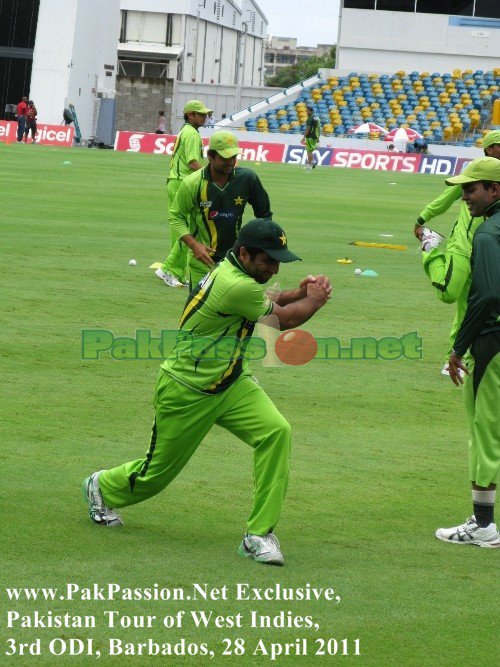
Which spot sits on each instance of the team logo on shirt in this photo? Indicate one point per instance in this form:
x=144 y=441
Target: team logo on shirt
x=221 y=214
x=239 y=201
x=205 y=204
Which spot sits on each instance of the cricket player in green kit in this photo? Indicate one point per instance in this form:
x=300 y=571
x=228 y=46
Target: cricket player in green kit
x=208 y=210
x=480 y=333
x=449 y=269
x=311 y=138
x=206 y=381
x=187 y=157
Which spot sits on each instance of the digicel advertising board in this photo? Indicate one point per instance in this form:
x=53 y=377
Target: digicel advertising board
x=144 y=142
x=49 y=135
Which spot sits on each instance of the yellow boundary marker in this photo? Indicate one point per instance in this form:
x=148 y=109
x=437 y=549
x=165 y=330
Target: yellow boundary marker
x=389 y=246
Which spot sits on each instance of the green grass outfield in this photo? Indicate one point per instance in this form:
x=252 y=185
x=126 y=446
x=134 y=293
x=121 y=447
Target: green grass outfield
x=380 y=447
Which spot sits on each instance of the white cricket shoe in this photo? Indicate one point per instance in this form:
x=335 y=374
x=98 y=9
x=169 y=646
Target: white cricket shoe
x=168 y=278
x=430 y=239
x=308 y=167
x=262 y=548
x=471 y=532
x=98 y=512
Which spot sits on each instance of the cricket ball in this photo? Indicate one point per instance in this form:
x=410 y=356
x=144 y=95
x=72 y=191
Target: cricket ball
x=296 y=348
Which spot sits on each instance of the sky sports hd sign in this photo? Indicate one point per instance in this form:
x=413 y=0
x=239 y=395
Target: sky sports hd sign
x=351 y=158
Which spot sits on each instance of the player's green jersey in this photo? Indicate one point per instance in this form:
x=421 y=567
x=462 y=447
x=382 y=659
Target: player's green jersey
x=483 y=307
x=213 y=215
x=188 y=147
x=215 y=329
x=462 y=233
x=312 y=127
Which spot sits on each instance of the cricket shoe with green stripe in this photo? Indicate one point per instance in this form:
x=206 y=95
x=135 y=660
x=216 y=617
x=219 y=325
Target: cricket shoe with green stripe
x=262 y=548
x=471 y=532
x=98 y=511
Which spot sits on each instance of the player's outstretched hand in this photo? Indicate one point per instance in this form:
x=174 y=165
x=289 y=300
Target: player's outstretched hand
x=313 y=279
x=325 y=281
x=203 y=253
x=418 y=231
x=305 y=282
x=320 y=290
x=455 y=364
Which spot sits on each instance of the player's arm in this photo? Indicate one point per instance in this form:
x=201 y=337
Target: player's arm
x=307 y=132
x=484 y=298
x=437 y=207
x=192 y=152
x=259 y=199
x=300 y=305
x=183 y=205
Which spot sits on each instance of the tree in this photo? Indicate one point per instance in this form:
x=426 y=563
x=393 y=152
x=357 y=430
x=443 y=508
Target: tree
x=302 y=70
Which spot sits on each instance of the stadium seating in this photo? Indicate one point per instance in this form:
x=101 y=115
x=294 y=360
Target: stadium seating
x=451 y=107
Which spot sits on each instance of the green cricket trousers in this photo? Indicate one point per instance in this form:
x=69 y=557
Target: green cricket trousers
x=182 y=419
x=482 y=405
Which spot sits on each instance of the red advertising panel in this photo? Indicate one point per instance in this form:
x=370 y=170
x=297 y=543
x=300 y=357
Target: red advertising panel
x=55 y=135
x=52 y=135
x=381 y=161
x=143 y=142
x=8 y=130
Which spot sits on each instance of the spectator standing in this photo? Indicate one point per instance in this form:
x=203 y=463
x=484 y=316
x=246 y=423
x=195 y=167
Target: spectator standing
x=161 y=126
x=22 y=107
x=31 y=114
